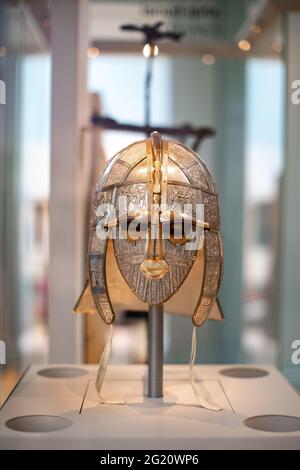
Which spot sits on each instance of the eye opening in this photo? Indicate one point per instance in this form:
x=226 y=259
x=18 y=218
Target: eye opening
x=180 y=228
x=177 y=227
x=179 y=234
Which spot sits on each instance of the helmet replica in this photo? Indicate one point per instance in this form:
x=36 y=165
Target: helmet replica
x=155 y=234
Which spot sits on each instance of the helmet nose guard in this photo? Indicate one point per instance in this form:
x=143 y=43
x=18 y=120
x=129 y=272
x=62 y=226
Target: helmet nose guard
x=155 y=265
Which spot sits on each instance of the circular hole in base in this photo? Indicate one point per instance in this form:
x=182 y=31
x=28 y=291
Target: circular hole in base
x=273 y=423
x=38 y=423
x=61 y=372
x=244 y=372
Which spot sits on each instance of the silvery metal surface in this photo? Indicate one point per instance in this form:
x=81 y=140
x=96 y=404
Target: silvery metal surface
x=188 y=181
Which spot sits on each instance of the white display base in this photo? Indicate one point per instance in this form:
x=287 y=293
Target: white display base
x=174 y=422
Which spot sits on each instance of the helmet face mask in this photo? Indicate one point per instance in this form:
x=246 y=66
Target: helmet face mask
x=155 y=212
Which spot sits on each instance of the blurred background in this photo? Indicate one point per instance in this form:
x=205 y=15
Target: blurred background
x=67 y=70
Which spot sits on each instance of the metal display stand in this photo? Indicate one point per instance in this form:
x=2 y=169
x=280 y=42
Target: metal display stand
x=155 y=350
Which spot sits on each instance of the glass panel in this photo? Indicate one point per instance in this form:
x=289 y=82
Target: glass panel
x=24 y=187
x=264 y=164
x=241 y=97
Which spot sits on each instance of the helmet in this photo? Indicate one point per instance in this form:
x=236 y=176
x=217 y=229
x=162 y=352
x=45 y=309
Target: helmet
x=155 y=234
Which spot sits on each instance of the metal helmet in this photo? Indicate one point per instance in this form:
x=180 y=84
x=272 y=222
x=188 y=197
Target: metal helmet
x=141 y=198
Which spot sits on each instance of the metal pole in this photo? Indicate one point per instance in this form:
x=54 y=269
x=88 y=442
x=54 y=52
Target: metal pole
x=148 y=82
x=155 y=350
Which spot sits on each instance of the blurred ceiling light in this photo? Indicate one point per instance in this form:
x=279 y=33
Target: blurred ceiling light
x=2 y=51
x=150 y=50
x=255 y=29
x=208 y=59
x=244 y=45
x=276 y=46
x=93 y=52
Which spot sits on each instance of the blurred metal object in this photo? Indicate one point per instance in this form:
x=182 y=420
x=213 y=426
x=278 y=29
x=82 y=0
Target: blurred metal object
x=153 y=33
x=199 y=133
